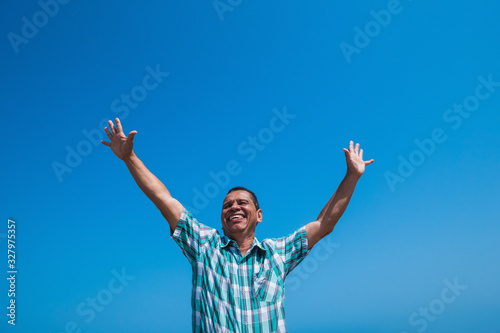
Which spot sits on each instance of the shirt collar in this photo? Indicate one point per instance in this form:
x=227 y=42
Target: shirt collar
x=226 y=241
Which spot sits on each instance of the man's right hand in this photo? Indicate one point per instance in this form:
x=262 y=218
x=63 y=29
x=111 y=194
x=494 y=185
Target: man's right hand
x=120 y=144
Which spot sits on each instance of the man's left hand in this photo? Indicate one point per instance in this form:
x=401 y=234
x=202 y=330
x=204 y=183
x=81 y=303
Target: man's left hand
x=354 y=160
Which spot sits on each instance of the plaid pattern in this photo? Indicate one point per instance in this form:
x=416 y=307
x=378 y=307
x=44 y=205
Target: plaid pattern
x=232 y=293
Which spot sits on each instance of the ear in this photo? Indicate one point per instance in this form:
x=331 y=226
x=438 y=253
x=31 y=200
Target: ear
x=259 y=215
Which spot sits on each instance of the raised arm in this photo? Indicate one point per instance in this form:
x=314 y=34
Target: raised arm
x=336 y=206
x=154 y=189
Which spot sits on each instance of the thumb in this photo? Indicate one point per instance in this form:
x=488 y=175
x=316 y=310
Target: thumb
x=346 y=152
x=131 y=135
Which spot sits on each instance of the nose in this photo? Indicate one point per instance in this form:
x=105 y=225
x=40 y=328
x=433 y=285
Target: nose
x=234 y=206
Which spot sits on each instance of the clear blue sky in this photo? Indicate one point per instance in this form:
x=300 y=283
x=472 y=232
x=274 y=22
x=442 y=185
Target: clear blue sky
x=417 y=83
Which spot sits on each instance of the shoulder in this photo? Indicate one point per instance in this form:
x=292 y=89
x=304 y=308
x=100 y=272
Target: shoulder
x=188 y=221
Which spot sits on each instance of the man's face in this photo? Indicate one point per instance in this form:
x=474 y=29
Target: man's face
x=239 y=214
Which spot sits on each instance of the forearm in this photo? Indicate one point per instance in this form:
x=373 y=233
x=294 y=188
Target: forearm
x=147 y=182
x=336 y=206
x=154 y=189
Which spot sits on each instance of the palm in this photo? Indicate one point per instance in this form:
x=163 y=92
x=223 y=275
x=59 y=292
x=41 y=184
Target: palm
x=354 y=159
x=120 y=144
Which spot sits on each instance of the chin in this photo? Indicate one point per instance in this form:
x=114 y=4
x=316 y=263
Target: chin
x=236 y=228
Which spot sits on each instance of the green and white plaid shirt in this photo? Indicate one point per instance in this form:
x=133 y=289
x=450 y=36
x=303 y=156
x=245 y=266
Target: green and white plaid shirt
x=232 y=293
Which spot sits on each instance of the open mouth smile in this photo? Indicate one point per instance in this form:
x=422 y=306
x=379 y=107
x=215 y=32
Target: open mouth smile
x=236 y=217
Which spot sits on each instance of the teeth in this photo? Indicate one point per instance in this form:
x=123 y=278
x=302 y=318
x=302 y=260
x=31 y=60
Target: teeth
x=234 y=217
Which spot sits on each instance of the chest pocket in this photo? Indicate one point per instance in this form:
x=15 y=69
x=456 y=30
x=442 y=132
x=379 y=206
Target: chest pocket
x=268 y=284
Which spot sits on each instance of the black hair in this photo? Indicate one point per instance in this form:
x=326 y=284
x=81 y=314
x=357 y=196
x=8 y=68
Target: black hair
x=241 y=188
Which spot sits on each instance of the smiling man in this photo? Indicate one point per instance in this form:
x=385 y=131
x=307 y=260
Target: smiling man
x=238 y=282
x=239 y=217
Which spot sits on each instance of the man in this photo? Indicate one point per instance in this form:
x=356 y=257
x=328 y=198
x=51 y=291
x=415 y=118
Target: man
x=238 y=282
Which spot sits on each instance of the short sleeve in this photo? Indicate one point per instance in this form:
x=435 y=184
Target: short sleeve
x=190 y=235
x=293 y=249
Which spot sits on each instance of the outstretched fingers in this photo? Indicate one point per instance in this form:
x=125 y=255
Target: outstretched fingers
x=112 y=127
x=120 y=144
x=118 y=125
x=351 y=146
x=354 y=149
x=108 y=133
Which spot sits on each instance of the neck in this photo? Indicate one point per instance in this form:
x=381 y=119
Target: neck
x=244 y=242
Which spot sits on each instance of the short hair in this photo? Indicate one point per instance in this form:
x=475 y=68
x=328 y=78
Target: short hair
x=254 y=197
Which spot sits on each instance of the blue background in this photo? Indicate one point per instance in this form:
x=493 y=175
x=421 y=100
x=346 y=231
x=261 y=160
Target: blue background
x=398 y=241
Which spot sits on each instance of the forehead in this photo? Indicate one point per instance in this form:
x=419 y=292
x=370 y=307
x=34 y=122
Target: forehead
x=238 y=195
